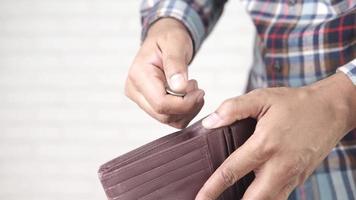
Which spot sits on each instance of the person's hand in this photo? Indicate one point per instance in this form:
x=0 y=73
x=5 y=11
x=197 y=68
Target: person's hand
x=161 y=60
x=296 y=130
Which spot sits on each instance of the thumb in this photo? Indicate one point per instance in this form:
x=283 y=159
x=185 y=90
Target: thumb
x=234 y=109
x=176 y=54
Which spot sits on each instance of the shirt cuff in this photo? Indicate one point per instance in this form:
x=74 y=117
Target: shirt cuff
x=180 y=10
x=350 y=70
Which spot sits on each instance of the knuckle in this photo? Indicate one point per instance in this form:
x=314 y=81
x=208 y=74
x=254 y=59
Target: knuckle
x=295 y=167
x=227 y=176
x=126 y=91
x=265 y=148
x=263 y=152
x=279 y=90
x=130 y=75
x=287 y=190
x=258 y=92
x=179 y=125
x=127 y=88
x=160 y=108
x=165 y=119
x=228 y=109
x=229 y=105
x=303 y=176
x=291 y=169
x=227 y=102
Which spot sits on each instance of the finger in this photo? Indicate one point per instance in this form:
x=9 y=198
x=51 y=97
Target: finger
x=237 y=165
x=271 y=179
x=235 y=109
x=192 y=85
x=153 y=89
x=181 y=105
x=263 y=187
x=177 y=121
x=176 y=53
x=185 y=119
x=286 y=191
x=140 y=100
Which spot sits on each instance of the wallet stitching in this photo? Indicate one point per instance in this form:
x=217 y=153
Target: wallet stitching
x=228 y=141
x=229 y=149
x=211 y=167
x=153 y=147
x=231 y=132
x=164 y=164
x=142 y=198
x=120 y=194
x=135 y=155
x=142 y=151
x=165 y=174
x=110 y=174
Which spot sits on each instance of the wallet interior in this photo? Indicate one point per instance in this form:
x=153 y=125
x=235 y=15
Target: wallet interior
x=175 y=166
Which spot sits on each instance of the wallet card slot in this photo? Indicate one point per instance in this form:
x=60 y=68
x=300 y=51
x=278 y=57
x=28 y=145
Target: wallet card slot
x=150 y=148
x=230 y=147
x=172 y=165
x=152 y=161
x=140 y=152
x=162 y=181
x=193 y=182
x=155 y=180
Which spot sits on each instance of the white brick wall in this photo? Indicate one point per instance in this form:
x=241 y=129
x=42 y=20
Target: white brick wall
x=62 y=110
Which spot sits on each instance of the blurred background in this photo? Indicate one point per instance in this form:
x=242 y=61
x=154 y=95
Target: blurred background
x=63 y=112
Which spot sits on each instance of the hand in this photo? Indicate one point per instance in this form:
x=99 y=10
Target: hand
x=296 y=130
x=163 y=57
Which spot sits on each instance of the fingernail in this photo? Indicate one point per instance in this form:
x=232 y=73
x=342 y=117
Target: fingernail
x=176 y=82
x=211 y=121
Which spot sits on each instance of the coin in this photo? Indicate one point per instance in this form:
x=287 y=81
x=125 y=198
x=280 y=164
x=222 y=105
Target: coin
x=171 y=92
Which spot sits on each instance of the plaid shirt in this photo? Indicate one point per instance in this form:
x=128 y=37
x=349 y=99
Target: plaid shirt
x=297 y=43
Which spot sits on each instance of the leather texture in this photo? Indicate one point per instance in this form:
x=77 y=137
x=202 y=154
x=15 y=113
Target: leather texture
x=176 y=166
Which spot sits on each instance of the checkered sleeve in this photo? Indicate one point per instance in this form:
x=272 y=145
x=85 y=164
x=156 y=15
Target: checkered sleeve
x=199 y=16
x=350 y=70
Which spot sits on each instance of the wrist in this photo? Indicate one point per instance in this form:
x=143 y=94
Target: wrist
x=339 y=94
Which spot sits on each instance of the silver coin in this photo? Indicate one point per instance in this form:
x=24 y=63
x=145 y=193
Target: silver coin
x=171 y=92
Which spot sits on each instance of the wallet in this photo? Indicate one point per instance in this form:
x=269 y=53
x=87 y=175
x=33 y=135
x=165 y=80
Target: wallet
x=176 y=166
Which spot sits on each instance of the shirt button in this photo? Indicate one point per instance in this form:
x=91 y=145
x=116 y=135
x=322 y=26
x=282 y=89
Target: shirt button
x=277 y=65
x=292 y=2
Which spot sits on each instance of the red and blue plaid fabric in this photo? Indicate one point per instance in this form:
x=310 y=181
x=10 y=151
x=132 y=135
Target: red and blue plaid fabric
x=298 y=42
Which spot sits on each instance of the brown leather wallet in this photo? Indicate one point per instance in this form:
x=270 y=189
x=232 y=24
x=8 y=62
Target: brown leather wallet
x=177 y=165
